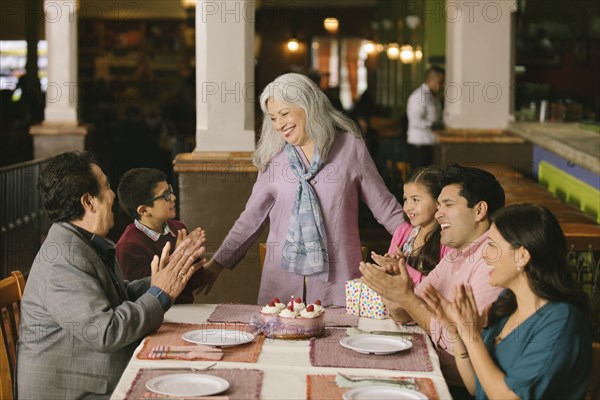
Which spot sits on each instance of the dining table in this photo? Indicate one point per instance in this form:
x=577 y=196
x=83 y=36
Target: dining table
x=288 y=369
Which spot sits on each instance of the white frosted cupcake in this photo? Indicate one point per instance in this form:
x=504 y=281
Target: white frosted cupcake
x=270 y=308
x=311 y=312
x=297 y=304
x=288 y=313
x=280 y=306
x=318 y=307
x=274 y=307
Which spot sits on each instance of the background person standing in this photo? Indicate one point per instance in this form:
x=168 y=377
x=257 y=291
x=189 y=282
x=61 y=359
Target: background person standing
x=424 y=110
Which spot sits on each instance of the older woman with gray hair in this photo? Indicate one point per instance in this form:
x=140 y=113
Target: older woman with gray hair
x=313 y=168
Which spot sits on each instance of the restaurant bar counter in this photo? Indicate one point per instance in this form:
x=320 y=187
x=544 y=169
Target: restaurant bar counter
x=285 y=364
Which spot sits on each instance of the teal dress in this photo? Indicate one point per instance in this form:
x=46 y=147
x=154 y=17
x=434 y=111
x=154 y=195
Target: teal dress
x=547 y=356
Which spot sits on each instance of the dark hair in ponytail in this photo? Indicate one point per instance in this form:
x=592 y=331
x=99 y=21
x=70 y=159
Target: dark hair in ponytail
x=429 y=255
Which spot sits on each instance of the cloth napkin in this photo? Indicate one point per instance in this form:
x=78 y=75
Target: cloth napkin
x=407 y=383
x=152 y=395
x=193 y=352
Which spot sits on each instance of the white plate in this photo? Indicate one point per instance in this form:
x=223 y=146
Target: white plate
x=187 y=385
x=218 y=337
x=382 y=393
x=375 y=344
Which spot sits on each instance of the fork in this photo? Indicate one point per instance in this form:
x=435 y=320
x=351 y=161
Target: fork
x=209 y=366
x=380 y=379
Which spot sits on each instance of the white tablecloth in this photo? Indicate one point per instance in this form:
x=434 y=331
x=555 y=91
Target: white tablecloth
x=285 y=364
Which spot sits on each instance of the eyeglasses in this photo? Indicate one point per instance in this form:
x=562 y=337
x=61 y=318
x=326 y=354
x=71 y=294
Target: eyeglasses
x=165 y=195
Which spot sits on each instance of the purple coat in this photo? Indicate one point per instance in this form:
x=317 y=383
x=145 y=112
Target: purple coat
x=348 y=175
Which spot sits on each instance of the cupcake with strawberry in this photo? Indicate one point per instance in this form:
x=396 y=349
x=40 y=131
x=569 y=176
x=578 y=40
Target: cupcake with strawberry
x=312 y=311
x=297 y=304
x=274 y=307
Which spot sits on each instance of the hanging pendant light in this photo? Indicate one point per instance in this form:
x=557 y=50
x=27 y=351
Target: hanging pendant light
x=407 y=54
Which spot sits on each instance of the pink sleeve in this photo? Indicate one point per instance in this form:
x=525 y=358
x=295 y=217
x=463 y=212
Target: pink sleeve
x=415 y=275
x=400 y=235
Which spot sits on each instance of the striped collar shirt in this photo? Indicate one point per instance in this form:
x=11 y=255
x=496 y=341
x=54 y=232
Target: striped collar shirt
x=152 y=234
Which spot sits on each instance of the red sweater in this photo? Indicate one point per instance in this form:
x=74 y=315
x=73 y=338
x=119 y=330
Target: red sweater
x=135 y=251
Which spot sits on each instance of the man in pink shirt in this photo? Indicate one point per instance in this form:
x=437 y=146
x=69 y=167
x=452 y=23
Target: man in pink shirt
x=469 y=197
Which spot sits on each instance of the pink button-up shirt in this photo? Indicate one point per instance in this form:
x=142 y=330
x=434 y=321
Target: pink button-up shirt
x=459 y=266
x=348 y=175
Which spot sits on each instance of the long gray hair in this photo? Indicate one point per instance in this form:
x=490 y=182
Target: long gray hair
x=322 y=119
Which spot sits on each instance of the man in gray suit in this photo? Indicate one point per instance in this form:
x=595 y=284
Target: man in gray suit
x=80 y=320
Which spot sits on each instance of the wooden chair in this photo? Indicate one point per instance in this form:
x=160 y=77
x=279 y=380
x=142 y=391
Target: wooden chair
x=11 y=292
x=593 y=388
x=364 y=250
x=262 y=253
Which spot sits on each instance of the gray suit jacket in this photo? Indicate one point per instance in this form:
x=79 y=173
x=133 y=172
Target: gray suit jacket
x=78 y=330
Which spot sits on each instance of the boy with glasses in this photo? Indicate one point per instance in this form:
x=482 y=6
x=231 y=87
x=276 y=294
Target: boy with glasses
x=146 y=197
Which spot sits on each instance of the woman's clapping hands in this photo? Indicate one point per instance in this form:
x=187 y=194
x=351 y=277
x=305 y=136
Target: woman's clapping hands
x=459 y=315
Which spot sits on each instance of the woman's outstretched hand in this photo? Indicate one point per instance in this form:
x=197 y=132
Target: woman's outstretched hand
x=212 y=270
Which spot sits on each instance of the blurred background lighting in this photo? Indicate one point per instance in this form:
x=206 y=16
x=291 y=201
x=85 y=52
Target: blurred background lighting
x=369 y=47
x=188 y=3
x=407 y=54
x=393 y=51
x=331 y=24
x=418 y=53
x=293 y=45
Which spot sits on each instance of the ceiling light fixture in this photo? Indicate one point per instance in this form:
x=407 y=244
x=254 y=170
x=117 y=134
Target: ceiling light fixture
x=393 y=51
x=368 y=46
x=331 y=24
x=293 y=45
x=418 y=54
x=407 y=54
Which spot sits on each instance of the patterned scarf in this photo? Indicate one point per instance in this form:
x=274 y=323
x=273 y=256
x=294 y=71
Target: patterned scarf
x=305 y=249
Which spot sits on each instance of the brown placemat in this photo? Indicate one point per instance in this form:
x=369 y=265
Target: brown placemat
x=243 y=383
x=328 y=352
x=323 y=387
x=243 y=313
x=338 y=317
x=169 y=334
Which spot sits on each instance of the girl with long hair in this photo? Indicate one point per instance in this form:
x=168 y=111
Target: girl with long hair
x=418 y=239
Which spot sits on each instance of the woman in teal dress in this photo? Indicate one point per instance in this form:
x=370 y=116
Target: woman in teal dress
x=537 y=343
